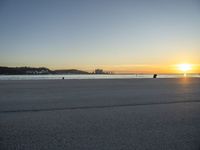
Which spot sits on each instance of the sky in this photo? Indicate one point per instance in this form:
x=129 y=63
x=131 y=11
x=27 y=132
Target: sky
x=140 y=36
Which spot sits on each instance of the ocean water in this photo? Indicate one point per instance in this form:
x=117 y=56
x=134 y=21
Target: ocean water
x=55 y=77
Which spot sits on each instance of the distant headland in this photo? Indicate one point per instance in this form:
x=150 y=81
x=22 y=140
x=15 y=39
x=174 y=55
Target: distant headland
x=44 y=70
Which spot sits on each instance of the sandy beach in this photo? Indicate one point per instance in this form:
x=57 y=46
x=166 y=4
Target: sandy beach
x=101 y=114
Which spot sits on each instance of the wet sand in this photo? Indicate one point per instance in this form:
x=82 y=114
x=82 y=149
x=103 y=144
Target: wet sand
x=100 y=114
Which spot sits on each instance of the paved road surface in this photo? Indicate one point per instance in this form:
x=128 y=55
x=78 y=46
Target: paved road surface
x=140 y=114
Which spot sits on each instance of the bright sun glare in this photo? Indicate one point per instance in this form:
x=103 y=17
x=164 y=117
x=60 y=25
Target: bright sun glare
x=185 y=67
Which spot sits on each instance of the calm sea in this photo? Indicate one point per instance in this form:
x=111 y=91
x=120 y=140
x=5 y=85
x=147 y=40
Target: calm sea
x=53 y=77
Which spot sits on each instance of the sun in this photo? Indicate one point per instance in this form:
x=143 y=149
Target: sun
x=185 y=67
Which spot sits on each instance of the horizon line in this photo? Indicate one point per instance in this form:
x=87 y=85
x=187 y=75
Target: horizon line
x=125 y=72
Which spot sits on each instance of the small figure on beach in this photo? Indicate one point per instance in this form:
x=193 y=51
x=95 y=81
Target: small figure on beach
x=63 y=78
x=155 y=76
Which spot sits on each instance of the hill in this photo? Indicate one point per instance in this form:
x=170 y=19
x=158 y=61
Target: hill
x=36 y=71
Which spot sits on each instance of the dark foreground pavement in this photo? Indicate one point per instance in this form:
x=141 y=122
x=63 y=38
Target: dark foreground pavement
x=137 y=114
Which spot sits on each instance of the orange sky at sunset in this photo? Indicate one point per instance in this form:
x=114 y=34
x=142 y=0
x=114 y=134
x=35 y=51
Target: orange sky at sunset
x=120 y=36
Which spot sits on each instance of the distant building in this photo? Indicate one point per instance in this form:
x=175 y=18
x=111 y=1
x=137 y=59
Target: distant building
x=99 y=71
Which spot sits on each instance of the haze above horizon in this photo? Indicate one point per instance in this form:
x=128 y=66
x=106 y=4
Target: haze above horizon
x=115 y=35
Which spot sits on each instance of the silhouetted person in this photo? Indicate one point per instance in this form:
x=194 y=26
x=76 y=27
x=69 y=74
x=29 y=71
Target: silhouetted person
x=155 y=76
x=63 y=78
